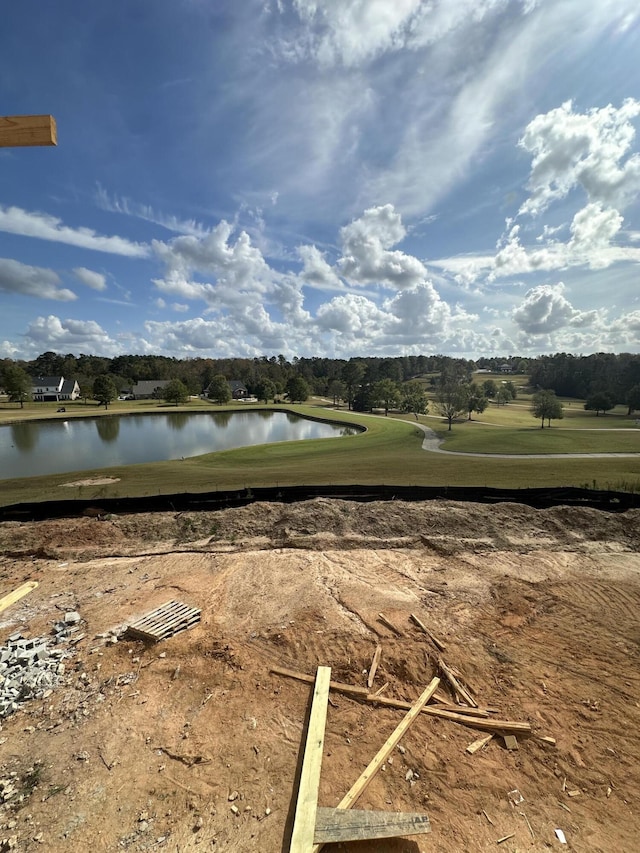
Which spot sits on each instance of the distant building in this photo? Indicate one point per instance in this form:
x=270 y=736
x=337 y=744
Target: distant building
x=505 y=368
x=148 y=388
x=53 y=389
x=238 y=389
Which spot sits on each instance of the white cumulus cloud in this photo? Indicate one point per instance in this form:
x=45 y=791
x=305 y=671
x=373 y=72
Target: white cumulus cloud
x=70 y=336
x=367 y=257
x=545 y=309
x=589 y=150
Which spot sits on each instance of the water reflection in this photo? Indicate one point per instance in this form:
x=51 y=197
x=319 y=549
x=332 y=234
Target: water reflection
x=222 y=419
x=177 y=420
x=49 y=447
x=24 y=436
x=108 y=428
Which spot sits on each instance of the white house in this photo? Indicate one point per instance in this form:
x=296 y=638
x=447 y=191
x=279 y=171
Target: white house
x=53 y=389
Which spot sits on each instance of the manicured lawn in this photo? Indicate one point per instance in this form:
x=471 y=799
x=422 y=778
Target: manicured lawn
x=389 y=452
x=477 y=438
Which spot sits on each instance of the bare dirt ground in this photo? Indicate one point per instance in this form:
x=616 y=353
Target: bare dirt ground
x=142 y=746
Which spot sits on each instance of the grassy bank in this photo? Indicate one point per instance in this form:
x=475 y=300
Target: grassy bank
x=388 y=452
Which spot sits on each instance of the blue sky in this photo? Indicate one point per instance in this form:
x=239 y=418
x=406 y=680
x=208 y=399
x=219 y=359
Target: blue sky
x=322 y=177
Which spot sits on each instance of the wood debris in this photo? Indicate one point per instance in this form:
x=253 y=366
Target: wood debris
x=374 y=666
x=478 y=744
x=460 y=691
x=164 y=622
x=390 y=625
x=435 y=640
x=496 y=726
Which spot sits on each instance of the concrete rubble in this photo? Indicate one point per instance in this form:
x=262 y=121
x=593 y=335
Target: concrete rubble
x=31 y=667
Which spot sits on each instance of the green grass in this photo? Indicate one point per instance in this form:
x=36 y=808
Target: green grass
x=389 y=452
x=477 y=438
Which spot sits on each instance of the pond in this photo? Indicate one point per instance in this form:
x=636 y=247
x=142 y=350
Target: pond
x=34 y=448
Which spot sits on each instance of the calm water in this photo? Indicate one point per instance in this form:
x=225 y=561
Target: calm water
x=54 y=447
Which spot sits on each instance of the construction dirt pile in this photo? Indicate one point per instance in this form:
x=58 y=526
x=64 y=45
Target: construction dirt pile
x=194 y=743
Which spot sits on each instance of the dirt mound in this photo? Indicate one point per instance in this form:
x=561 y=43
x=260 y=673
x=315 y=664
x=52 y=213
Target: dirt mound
x=148 y=747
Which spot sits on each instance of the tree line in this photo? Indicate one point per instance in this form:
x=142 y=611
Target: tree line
x=604 y=379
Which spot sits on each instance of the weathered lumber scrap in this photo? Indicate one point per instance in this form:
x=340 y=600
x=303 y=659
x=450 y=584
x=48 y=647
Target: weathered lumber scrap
x=484 y=724
x=478 y=744
x=339 y=825
x=435 y=640
x=460 y=691
x=374 y=666
x=390 y=625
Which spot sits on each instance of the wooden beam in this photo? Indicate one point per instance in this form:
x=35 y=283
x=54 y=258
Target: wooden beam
x=374 y=666
x=462 y=709
x=436 y=642
x=484 y=724
x=305 y=818
x=362 y=782
x=24 y=131
x=17 y=594
x=338 y=686
x=333 y=825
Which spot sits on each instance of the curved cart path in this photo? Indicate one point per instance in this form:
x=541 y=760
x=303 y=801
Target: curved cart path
x=432 y=442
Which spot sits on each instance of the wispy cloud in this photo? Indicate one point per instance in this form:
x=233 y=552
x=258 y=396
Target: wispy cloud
x=42 y=226
x=127 y=207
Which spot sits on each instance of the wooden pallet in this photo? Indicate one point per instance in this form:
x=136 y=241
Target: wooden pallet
x=164 y=622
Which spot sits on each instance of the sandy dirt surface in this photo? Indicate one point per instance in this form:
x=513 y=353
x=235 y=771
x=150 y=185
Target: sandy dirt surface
x=93 y=481
x=148 y=747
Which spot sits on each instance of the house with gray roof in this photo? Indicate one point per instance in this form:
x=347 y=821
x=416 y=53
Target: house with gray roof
x=53 y=389
x=149 y=388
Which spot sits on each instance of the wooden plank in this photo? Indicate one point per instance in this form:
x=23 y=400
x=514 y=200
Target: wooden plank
x=497 y=726
x=436 y=642
x=374 y=666
x=338 y=686
x=333 y=825
x=18 y=593
x=24 y=131
x=305 y=818
x=381 y=690
x=478 y=744
x=390 y=625
x=385 y=750
x=462 y=709
x=458 y=688
x=362 y=782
